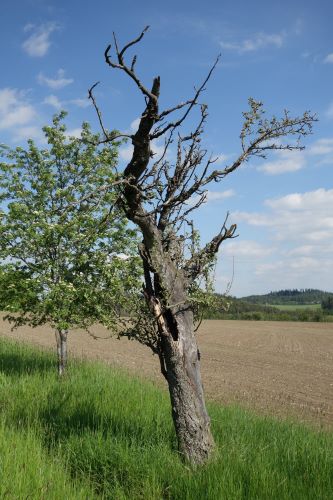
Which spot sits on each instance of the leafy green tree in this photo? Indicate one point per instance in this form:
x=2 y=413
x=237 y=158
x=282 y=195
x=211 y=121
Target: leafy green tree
x=327 y=304
x=68 y=258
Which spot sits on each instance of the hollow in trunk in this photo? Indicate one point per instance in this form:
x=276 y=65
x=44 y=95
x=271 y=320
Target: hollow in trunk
x=180 y=364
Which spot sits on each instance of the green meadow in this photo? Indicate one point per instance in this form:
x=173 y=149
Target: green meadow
x=296 y=307
x=102 y=434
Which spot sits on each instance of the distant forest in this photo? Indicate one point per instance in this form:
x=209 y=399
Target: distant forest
x=263 y=307
x=289 y=297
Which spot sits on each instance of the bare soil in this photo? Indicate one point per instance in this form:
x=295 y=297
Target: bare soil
x=275 y=368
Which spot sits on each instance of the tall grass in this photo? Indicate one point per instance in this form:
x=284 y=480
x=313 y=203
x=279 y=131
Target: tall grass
x=103 y=434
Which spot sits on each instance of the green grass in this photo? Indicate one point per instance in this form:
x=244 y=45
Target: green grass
x=103 y=434
x=296 y=307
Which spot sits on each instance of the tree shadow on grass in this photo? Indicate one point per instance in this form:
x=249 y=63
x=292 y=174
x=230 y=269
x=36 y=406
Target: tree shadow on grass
x=60 y=425
x=105 y=448
x=73 y=419
x=66 y=413
x=24 y=363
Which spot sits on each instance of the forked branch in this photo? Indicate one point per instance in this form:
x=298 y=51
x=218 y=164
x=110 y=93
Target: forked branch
x=196 y=264
x=129 y=70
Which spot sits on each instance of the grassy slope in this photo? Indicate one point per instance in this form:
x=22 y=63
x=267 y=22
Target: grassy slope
x=102 y=434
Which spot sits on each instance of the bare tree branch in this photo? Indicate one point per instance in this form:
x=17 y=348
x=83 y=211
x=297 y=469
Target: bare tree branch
x=129 y=70
x=196 y=263
x=107 y=137
x=133 y=42
x=190 y=103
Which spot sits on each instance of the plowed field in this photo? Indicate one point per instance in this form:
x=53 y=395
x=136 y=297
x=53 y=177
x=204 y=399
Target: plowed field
x=276 y=368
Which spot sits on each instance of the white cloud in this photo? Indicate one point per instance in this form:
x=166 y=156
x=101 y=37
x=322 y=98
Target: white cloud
x=18 y=117
x=15 y=110
x=28 y=132
x=74 y=132
x=329 y=58
x=55 y=83
x=269 y=267
x=157 y=148
x=251 y=218
x=81 y=103
x=311 y=250
x=246 y=248
x=320 y=199
x=288 y=161
x=38 y=43
x=298 y=229
x=8 y=98
x=126 y=152
x=301 y=250
x=53 y=101
x=321 y=147
x=135 y=124
x=221 y=158
x=305 y=218
x=258 y=41
x=304 y=263
x=219 y=195
x=212 y=196
x=301 y=272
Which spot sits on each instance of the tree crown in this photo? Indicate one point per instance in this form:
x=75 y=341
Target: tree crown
x=68 y=254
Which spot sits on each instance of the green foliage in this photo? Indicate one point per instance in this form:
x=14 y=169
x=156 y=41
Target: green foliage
x=61 y=239
x=103 y=434
x=327 y=304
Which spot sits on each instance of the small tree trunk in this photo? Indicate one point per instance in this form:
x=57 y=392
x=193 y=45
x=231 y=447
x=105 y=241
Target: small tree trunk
x=61 y=338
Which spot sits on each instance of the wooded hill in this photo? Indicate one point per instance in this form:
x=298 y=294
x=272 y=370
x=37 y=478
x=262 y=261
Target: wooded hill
x=290 y=297
x=223 y=307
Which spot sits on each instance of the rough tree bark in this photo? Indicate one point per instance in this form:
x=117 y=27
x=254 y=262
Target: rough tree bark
x=166 y=296
x=180 y=364
x=61 y=338
x=155 y=198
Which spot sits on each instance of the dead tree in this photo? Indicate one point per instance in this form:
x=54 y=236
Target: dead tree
x=158 y=195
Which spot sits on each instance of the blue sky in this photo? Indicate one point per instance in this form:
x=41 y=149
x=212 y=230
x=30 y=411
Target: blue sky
x=278 y=52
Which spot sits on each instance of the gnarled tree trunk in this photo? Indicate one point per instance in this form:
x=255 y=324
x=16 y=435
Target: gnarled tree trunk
x=179 y=357
x=61 y=338
x=182 y=368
